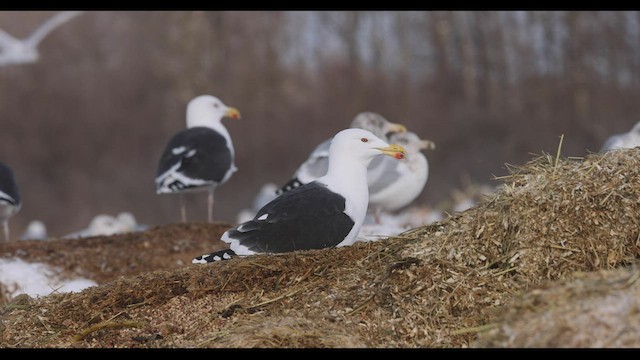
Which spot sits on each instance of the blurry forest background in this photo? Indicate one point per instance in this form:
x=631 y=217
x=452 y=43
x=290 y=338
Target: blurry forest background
x=84 y=126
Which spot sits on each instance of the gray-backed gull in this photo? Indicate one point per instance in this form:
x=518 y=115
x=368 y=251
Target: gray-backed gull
x=317 y=163
x=627 y=140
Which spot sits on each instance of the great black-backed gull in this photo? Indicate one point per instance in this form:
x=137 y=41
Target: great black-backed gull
x=324 y=213
x=317 y=163
x=10 y=201
x=398 y=183
x=623 y=141
x=200 y=157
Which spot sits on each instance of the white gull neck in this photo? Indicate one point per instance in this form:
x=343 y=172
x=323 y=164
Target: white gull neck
x=203 y=114
x=348 y=176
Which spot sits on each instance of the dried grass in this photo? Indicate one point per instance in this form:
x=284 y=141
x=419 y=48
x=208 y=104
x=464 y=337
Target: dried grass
x=4 y=295
x=596 y=310
x=434 y=286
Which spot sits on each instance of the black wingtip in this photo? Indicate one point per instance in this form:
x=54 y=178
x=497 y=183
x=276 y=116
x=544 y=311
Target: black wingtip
x=214 y=256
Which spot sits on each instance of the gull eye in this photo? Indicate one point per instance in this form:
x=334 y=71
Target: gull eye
x=215 y=105
x=364 y=139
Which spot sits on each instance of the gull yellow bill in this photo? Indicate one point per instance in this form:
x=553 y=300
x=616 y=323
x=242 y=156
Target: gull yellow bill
x=427 y=145
x=232 y=113
x=394 y=150
x=394 y=127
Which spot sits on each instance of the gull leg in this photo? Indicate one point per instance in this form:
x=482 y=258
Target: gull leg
x=376 y=215
x=183 y=208
x=210 y=204
x=5 y=228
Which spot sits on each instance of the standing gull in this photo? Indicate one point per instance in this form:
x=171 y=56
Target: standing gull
x=10 y=201
x=318 y=162
x=200 y=157
x=324 y=213
x=401 y=182
x=623 y=141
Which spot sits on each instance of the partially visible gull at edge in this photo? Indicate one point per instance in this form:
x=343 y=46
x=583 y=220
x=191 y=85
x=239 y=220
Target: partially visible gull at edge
x=627 y=140
x=10 y=200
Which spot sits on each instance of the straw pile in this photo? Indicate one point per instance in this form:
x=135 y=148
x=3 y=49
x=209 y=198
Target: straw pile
x=595 y=310
x=434 y=286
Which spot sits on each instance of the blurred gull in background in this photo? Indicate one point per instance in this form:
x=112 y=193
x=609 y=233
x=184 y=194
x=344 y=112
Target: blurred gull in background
x=265 y=195
x=36 y=230
x=15 y=51
x=318 y=162
x=104 y=225
x=398 y=183
x=627 y=140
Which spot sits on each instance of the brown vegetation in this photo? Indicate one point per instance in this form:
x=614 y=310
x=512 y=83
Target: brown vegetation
x=596 y=310
x=435 y=286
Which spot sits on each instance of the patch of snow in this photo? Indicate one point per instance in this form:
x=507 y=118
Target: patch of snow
x=36 y=279
x=394 y=224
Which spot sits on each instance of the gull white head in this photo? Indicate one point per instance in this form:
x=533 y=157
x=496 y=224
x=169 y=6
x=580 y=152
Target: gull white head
x=411 y=142
x=360 y=146
x=207 y=110
x=377 y=124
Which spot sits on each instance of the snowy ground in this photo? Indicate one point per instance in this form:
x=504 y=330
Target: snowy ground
x=39 y=279
x=36 y=279
x=395 y=224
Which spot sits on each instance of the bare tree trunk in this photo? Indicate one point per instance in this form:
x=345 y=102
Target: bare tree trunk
x=355 y=71
x=440 y=27
x=403 y=87
x=574 y=66
x=469 y=70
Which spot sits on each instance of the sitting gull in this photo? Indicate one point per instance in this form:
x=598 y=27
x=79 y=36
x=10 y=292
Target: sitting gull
x=400 y=182
x=324 y=213
x=36 y=230
x=623 y=141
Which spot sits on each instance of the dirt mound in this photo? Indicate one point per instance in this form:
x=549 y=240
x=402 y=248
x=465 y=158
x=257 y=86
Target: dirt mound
x=4 y=295
x=596 y=310
x=105 y=258
x=435 y=286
